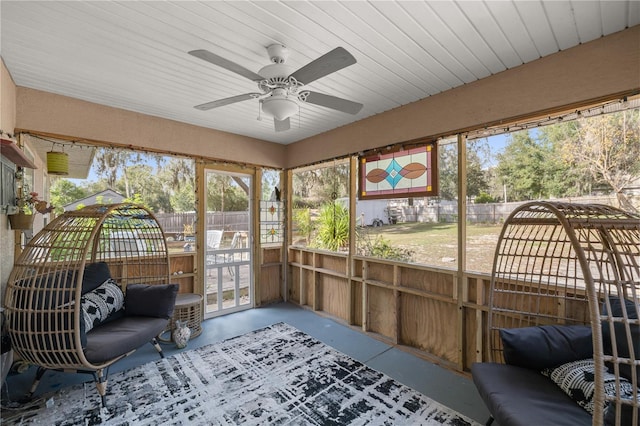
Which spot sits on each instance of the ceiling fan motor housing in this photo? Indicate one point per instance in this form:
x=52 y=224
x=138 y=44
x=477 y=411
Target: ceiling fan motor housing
x=278 y=53
x=275 y=71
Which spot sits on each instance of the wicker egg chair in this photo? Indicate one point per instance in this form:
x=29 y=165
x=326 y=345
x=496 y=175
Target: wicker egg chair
x=567 y=264
x=67 y=260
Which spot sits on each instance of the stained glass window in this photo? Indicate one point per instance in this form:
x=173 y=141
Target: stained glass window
x=271 y=222
x=406 y=173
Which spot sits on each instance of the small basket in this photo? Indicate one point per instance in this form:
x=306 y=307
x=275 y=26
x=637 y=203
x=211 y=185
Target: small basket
x=21 y=220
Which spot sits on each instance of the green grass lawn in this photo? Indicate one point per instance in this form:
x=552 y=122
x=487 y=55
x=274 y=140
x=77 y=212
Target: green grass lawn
x=436 y=243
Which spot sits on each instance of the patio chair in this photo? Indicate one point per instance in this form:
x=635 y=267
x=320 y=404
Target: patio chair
x=562 y=328
x=214 y=238
x=235 y=243
x=88 y=290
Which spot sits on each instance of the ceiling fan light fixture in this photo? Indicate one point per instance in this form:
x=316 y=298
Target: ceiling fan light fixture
x=279 y=107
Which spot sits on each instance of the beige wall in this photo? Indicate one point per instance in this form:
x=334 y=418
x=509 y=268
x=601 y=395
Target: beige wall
x=53 y=114
x=592 y=71
x=7 y=124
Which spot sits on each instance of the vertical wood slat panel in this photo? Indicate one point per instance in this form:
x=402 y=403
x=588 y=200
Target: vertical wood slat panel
x=365 y=296
x=396 y=304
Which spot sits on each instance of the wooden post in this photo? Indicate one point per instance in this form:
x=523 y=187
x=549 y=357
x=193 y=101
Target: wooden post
x=480 y=301
x=254 y=225
x=353 y=170
x=201 y=246
x=462 y=245
x=365 y=296
x=314 y=282
x=286 y=195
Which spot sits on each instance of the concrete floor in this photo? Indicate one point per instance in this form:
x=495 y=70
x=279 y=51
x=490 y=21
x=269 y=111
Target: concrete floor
x=442 y=385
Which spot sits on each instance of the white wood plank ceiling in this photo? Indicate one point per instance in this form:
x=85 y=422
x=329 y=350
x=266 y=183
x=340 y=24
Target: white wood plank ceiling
x=133 y=54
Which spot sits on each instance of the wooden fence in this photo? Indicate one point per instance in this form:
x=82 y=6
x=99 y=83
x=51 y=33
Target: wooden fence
x=174 y=223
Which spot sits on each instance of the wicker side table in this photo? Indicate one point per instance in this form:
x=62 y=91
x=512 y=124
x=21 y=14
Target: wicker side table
x=188 y=308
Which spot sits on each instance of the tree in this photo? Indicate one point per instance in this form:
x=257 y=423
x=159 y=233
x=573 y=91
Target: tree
x=183 y=199
x=522 y=167
x=313 y=187
x=303 y=183
x=270 y=181
x=178 y=179
x=109 y=161
x=64 y=192
x=144 y=186
x=477 y=175
x=608 y=146
x=566 y=179
x=448 y=171
x=177 y=172
x=334 y=182
x=225 y=195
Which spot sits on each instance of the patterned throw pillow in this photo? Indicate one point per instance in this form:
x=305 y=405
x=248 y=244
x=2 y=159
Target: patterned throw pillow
x=98 y=304
x=576 y=379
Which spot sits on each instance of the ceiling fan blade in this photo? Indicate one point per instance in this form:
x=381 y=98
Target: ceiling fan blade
x=282 y=125
x=332 y=102
x=226 y=101
x=226 y=64
x=330 y=62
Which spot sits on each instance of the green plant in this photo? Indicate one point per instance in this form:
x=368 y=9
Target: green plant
x=29 y=203
x=382 y=248
x=484 y=198
x=302 y=222
x=333 y=227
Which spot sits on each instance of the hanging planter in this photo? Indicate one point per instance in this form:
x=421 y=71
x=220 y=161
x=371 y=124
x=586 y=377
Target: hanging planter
x=21 y=221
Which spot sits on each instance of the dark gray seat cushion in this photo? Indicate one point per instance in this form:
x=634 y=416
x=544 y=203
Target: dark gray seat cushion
x=117 y=337
x=521 y=396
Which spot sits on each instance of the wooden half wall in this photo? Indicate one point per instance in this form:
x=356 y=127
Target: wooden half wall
x=418 y=308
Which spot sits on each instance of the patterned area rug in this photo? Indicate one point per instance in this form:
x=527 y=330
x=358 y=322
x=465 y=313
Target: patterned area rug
x=277 y=375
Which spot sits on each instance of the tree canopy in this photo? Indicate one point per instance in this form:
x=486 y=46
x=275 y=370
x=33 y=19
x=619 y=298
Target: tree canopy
x=162 y=183
x=588 y=156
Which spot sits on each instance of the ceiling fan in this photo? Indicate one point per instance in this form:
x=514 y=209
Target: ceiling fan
x=281 y=89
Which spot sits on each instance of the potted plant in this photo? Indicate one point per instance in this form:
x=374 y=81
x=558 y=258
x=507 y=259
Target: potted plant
x=28 y=204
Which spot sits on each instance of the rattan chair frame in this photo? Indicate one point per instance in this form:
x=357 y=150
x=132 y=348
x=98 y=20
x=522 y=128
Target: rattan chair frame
x=558 y=263
x=46 y=281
